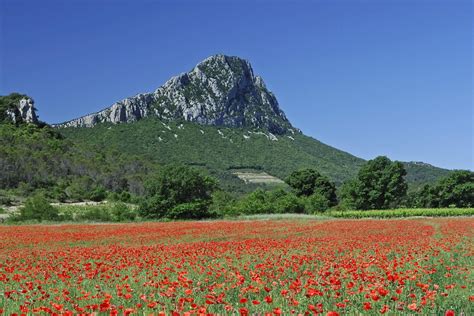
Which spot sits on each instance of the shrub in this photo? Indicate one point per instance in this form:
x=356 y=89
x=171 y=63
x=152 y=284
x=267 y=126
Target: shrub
x=222 y=204
x=191 y=210
x=257 y=202
x=317 y=203
x=98 y=194
x=289 y=203
x=121 y=212
x=123 y=196
x=100 y=214
x=5 y=200
x=38 y=208
x=79 y=188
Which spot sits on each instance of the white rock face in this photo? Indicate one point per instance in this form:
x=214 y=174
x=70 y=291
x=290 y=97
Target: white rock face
x=25 y=112
x=127 y=110
x=220 y=91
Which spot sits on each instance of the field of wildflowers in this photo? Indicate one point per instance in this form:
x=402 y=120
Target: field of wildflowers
x=288 y=266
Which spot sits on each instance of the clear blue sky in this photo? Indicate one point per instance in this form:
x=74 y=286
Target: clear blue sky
x=370 y=77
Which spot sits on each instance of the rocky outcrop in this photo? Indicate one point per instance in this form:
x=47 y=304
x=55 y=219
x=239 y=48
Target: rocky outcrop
x=220 y=91
x=19 y=108
x=128 y=110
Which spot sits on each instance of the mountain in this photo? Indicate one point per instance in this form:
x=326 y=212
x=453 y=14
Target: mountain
x=219 y=91
x=221 y=117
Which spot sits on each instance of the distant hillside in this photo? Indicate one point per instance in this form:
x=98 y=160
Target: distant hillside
x=222 y=151
x=420 y=173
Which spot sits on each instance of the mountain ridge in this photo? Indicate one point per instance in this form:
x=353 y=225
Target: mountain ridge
x=221 y=91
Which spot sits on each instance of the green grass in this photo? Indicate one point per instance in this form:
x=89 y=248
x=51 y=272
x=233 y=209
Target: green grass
x=438 y=212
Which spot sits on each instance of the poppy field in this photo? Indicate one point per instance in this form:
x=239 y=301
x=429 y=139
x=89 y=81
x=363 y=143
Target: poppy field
x=328 y=267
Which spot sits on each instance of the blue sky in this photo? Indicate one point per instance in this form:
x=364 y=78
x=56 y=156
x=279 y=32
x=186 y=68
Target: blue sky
x=369 y=77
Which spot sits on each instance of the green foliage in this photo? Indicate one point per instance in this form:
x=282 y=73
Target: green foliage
x=34 y=157
x=380 y=184
x=316 y=203
x=456 y=189
x=121 y=212
x=268 y=202
x=94 y=214
x=420 y=174
x=222 y=204
x=174 y=190
x=7 y=103
x=97 y=194
x=189 y=210
x=5 y=199
x=438 y=212
x=123 y=196
x=37 y=208
x=289 y=203
x=103 y=212
x=209 y=151
x=257 y=202
x=317 y=192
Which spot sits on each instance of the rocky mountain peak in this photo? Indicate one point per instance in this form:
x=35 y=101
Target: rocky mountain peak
x=221 y=90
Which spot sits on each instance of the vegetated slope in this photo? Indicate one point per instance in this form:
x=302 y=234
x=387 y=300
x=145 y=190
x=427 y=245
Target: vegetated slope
x=33 y=155
x=420 y=173
x=222 y=151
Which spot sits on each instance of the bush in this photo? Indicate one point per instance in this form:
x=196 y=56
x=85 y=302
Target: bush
x=123 y=196
x=98 y=194
x=289 y=203
x=37 y=208
x=269 y=202
x=257 y=202
x=317 y=203
x=191 y=210
x=121 y=212
x=100 y=214
x=222 y=204
x=5 y=200
x=79 y=188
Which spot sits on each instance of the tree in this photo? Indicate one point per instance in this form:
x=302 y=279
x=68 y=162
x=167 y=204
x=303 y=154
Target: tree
x=423 y=197
x=256 y=202
x=316 y=203
x=178 y=191
x=288 y=203
x=307 y=182
x=380 y=184
x=222 y=204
